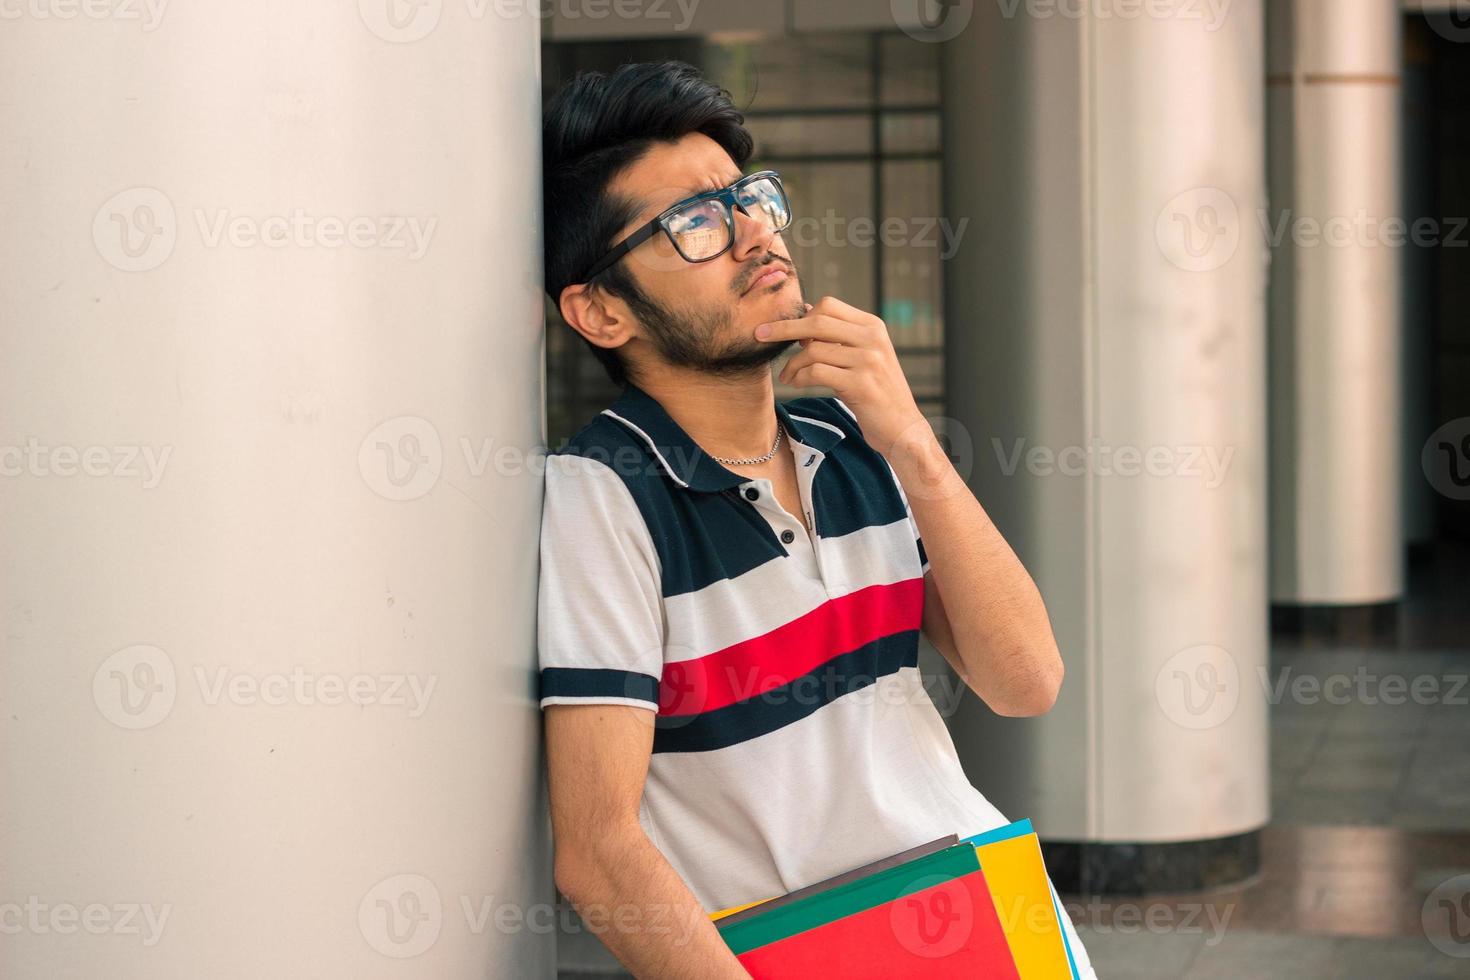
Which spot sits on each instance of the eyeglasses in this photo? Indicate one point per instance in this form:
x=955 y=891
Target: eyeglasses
x=703 y=227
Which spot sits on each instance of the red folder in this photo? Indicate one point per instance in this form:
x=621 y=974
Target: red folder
x=947 y=930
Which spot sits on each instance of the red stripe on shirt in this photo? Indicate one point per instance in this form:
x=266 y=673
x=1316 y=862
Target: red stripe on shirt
x=791 y=650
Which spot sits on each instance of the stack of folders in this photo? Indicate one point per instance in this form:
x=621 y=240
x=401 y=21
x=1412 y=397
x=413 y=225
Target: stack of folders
x=977 y=907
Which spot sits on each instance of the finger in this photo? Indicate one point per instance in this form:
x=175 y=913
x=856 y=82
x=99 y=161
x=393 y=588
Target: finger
x=834 y=307
x=823 y=352
x=826 y=375
x=815 y=326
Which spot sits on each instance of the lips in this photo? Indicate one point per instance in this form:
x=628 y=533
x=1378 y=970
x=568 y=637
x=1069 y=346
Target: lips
x=772 y=276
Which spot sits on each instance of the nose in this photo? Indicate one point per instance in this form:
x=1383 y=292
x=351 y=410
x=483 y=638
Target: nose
x=753 y=235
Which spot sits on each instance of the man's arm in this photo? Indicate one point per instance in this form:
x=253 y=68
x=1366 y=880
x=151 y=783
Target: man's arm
x=998 y=639
x=994 y=627
x=624 y=889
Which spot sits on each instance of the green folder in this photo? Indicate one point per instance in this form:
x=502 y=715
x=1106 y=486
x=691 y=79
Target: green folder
x=857 y=896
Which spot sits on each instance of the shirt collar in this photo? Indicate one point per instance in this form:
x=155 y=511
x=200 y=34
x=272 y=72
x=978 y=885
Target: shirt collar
x=682 y=459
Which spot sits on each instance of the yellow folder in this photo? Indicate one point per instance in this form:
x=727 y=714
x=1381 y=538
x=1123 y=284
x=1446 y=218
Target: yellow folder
x=1016 y=875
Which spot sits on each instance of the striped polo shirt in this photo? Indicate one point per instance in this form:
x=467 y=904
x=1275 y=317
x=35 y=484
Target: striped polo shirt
x=794 y=739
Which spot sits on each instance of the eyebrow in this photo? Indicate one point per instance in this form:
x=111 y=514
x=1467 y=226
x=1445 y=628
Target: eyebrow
x=646 y=206
x=707 y=187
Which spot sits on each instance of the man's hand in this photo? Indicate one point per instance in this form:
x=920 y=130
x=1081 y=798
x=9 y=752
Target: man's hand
x=850 y=352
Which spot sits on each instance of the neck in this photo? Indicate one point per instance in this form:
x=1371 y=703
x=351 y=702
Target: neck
x=730 y=417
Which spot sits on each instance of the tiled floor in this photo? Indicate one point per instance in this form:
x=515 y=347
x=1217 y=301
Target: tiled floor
x=1370 y=794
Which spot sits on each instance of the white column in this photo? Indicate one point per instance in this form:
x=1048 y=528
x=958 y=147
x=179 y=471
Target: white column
x=1105 y=351
x=269 y=271
x=1336 y=404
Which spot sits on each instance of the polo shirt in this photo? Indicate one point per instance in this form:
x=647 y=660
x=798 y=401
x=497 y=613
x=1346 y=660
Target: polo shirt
x=793 y=737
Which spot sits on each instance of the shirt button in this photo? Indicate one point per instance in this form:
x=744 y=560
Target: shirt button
x=788 y=536
x=751 y=493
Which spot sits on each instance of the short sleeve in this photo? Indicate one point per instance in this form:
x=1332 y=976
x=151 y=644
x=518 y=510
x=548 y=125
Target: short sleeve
x=908 y=511
x=599 y=623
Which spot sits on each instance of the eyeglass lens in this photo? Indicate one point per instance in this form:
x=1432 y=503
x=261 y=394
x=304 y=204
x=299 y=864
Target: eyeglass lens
x=702 y=229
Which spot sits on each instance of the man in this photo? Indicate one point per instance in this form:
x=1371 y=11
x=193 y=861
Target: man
x=732 y=588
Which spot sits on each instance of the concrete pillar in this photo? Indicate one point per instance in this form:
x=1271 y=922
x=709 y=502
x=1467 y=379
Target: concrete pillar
x=1418 y=290
x=1336 y=404
x=1105 y=352
x=270 y=287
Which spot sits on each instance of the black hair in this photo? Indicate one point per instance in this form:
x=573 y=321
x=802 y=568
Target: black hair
x=595 y=127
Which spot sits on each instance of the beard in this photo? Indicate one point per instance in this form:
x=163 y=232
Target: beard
x=699 y=338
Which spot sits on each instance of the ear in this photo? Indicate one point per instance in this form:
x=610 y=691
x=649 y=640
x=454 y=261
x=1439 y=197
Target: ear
x=603 y=319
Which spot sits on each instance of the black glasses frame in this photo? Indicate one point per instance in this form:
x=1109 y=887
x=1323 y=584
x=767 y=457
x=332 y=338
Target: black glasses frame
x=725 y=195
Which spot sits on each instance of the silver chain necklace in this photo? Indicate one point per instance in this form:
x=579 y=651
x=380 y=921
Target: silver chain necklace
x=755 y=459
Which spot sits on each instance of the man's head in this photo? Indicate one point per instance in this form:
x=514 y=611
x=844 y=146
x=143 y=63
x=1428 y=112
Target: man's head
x=619 y=150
